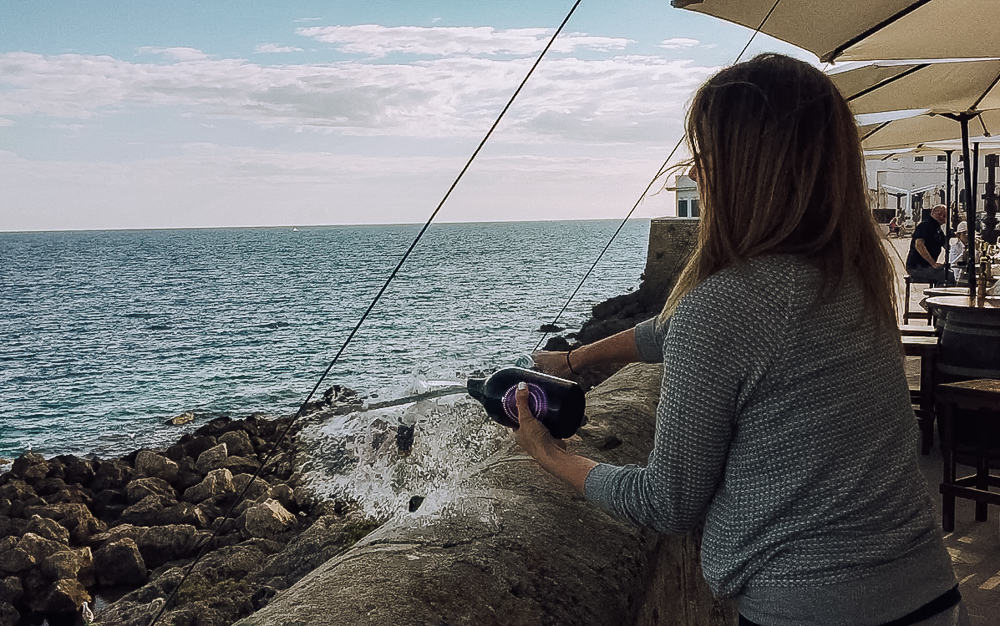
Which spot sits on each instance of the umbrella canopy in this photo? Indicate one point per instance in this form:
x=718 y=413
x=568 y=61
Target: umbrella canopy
x=945 y=87
x=847 y=30
x=920 y=129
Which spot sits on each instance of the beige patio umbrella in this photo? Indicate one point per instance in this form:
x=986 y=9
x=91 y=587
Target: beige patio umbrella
x=855 y=30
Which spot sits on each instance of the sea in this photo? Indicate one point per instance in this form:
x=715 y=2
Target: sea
x=104 y=335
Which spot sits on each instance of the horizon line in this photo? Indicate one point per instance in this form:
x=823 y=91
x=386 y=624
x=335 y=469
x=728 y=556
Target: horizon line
x=289 y=226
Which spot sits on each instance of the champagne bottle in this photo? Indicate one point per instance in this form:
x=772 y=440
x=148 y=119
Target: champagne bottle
x=557 y=403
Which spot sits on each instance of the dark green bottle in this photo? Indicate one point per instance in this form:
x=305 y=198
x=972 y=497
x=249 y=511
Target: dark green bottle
x=556 y=402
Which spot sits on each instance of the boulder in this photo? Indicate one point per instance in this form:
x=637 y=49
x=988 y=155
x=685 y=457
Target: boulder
x=211 y=459
x=157 y=544
x=259 y=487
x=30 y=467
x=283 y=494
x=15 y=561
x=39 y=547
x=146 y=512
x=217 y=482
x=8 y=614
x=241 y=464
x=184 y=418
x=119 y=563
x=70 y=494
x=198 y=444
x=183 y=513
x=50 y=529
x=63 y=596
x=68 y=564
x=49 y=485
x=140 y=488
x=11 y=589
x=111 y=474
x=237 y=443
x=266 y=519
x=76 y=470
x=149 y=463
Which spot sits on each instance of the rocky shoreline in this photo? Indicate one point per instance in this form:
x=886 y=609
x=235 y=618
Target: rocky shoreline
x=119 y=533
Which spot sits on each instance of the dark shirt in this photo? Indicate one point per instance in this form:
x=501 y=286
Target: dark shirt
x=930 y=231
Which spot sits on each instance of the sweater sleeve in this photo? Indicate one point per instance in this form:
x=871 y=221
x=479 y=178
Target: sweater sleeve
x=712 y=356
x=649 y=336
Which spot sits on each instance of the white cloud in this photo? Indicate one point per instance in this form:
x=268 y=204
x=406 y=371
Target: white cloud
x=677 y=43
x=273 y=48
x=623 y=98
x=374 y=40
x=175 y=54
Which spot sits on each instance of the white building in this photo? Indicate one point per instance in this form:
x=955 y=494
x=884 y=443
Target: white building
x=687 y=197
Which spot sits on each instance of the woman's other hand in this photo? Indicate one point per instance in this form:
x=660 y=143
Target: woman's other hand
x=531 y=434
x=552 y=363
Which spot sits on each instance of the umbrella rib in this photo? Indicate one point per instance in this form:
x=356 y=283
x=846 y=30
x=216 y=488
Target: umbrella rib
x=875 y=130
x=987 y=91
x=831 y=56
x=888 y=81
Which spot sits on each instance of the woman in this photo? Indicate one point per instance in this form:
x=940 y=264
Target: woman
x=784 y=422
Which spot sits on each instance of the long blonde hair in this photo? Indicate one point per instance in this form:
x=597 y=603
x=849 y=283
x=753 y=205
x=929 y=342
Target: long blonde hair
x=779 y=166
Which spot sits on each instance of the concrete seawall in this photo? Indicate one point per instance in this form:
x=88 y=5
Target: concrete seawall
x=518 y=547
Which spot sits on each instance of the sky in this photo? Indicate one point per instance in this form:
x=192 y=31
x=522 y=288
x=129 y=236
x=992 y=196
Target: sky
x=140 y=114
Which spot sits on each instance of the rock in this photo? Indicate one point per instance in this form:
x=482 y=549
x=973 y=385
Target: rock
x=196 y=445
x=183 y=513
x=110 y=474
x=146 y=512
x=184 y=418
x=68 y=564
x=11 y=590
x=187 y=479
x=266 y=519
x=47 y=528
x=327 y=537
x=16 y=489
x=64 y=596
x=70 y=494
x=37 y=546
x=211 y=459
x=237 y=443
x=151 y=464
x=48 y=486
x=9 y=542
x=550 y=328
x=140 y=488
x=119 y=563
x=30 y=467
x=158 y=544
x=15 y=561
x=76 y=470
x=241 y=464
x=283 y=494
x=217 y=482
x=256 y=490
x=8 y=614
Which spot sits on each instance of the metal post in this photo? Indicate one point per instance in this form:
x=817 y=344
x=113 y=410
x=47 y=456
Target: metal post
x=990 y=199
x=970 y=205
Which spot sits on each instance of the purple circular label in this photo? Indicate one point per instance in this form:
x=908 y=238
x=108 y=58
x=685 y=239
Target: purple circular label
x=537 y=402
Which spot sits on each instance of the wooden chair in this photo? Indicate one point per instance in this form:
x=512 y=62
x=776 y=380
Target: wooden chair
x=907 y=314
x=926 y=349
x=971 y=408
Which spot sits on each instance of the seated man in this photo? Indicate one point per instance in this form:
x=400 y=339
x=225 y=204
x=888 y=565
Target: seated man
x=956 y=254
x=925 y=246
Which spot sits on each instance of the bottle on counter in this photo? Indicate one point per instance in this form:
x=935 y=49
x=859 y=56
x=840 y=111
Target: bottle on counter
x=557 y=403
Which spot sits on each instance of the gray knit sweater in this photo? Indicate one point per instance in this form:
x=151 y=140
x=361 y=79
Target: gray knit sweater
x=785 y=424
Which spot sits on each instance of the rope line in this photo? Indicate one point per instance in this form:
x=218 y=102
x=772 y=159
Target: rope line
x=642 y=196
x=302 y=408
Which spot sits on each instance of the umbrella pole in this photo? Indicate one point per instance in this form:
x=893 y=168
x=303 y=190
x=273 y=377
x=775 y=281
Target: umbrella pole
x=970 y=207
x=947 y=221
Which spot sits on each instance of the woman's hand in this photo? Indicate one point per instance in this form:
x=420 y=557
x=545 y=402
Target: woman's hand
x=552 y=363
x=533 y=437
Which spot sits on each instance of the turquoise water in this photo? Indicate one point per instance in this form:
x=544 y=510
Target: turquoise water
x=104 y=334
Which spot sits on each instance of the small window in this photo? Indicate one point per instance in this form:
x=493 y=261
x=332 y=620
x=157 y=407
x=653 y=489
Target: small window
x=682 y=208
x=918 y=159
x=942 y=158
x=694 y=207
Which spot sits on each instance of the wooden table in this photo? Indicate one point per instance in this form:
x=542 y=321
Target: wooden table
x=946 y=291
x=976 y=402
